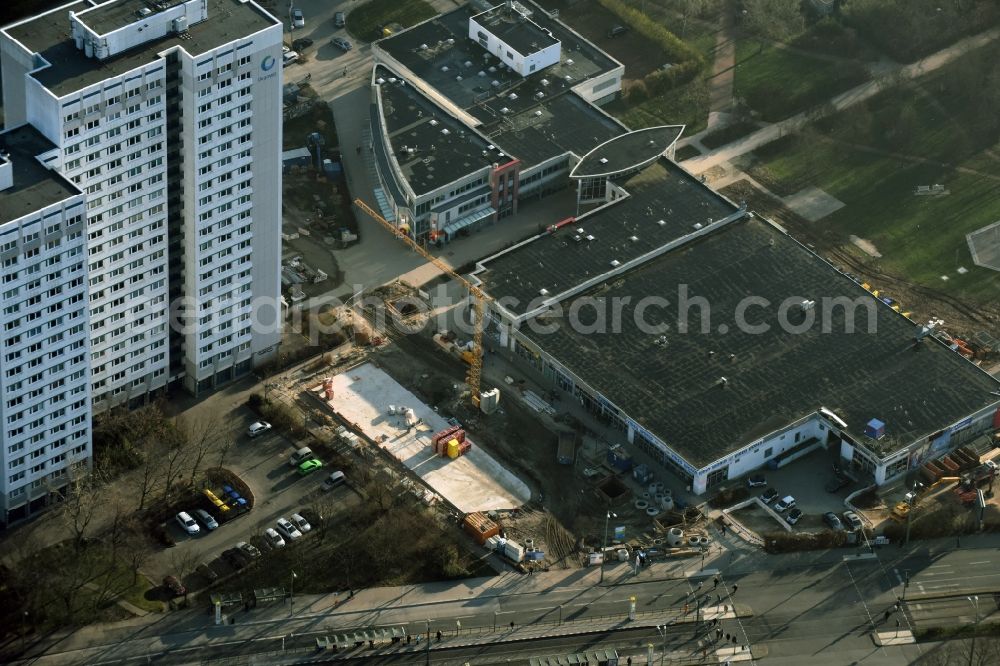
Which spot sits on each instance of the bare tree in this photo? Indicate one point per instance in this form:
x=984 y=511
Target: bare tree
x=776 y=20
x=203 y=436
x=79 y=512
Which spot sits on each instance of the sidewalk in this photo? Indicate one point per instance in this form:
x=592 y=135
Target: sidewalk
x=860 y=93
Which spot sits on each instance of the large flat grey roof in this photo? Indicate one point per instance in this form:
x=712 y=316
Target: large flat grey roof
x=542 y=130
x=443 y=64
x=70 y=70
x=35 y=187
x=670 y=383
x=444 y=149
x=558 y=261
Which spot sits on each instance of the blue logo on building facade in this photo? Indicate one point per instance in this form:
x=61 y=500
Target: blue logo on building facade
x=267 y=63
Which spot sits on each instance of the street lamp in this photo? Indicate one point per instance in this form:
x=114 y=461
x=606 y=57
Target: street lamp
x=662 y=630
x=974 y=600
x=427 y=650
x=607 y=517
x=291 y=595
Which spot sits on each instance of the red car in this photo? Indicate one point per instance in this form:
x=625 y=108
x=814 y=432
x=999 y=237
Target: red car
x=174 y=585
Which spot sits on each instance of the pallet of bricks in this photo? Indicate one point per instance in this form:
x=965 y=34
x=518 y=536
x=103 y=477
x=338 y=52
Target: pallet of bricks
x=451 y=442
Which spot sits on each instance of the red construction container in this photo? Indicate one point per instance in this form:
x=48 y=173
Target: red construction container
x=465 y=447
x=445 y=434
x=459 y=435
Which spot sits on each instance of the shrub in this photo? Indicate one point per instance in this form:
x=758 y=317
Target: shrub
x=256 y=403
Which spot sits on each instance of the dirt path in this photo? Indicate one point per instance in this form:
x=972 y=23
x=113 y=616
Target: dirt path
x=845 y=100
x=723 y=72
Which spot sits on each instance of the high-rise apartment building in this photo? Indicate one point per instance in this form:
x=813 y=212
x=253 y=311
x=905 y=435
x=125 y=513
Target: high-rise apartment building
x=45 y=362
x=167 y=116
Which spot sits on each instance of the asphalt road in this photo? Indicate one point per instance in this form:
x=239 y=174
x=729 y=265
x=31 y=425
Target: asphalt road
x=822 y=606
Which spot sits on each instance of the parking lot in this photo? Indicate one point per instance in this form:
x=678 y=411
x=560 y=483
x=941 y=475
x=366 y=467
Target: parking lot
x=279 y=491
x=806 y=480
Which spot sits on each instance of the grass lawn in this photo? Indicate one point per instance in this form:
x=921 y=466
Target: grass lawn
x=365 y=22
x=686 y=153
x=778 y=83
x=687 y=105
x=921 y=238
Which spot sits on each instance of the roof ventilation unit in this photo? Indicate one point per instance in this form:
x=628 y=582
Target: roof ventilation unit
x=580 y=230
x=444 y=68
x=723 y=382
x=458 y=78
x=423 y=47
x=434 y=123
x=662 y=223
x=493 y=70
x=379 y=81
x=481 y=73
x=615 y=263
x=450 y=40
x=603 y=160
x=512 y=96
x=446 y=131
x=807 y=305
x=538 y=114
x=505 y=110
x=544 y=82
x=569 y=61
x=589 y=237
x=392 y=79
x=495 y=83
x=144 y=12
x=543 y=292
x=539 y=95
x=697 y=226
x=633 y=238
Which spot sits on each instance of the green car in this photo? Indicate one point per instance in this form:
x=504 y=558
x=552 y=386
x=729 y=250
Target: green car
x=309 y=466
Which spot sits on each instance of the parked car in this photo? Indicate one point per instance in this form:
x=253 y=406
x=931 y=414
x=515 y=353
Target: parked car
x=339 y=19
x=288 y=530
x=787 y=502
x=853 y=520
x=837 y=483
x=756 y=481
x=301 y=523
x=174 y=585
x=303 y=454
x=341 y=44
x=273 y=539
x=206 y=572
x=769 y=495
x=309 y=466
x=831 y=519
x=302 y=44
x=236 y=558
x=793 y=516
x=206 y=519
x=298 y=18
x=258 y=428
x=617 y=30
x=285 y=49
x=248 y=549
x=334 y=480
x=188 y=523
x=288 y=58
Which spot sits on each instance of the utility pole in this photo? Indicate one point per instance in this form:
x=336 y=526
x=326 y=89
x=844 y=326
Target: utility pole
x=607 y=517
x=291 y=595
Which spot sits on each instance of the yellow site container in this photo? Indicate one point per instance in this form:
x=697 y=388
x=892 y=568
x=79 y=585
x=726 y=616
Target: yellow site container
x=453 y=448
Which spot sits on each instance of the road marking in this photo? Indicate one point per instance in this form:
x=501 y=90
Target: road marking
x=983 y=562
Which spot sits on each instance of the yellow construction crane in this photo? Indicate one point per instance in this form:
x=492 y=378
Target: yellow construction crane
x=479 y=298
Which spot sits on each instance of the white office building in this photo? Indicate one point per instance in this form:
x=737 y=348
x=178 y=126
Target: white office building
x=168 y=116
x=44 y=397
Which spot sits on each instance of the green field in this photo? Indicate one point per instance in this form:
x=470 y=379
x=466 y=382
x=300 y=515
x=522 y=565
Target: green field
x=365 y=22
x=872 y=157
x=687 y=105
x=778 y=83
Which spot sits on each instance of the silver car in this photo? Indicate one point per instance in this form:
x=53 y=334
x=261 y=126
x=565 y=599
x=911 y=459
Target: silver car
x=287 y=530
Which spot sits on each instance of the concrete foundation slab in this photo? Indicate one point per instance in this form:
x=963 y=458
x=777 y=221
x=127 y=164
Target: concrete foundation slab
x=473 y=482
